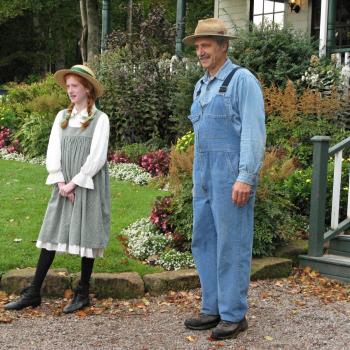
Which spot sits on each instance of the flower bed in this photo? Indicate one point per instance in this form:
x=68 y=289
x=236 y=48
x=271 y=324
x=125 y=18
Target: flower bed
x=147 y=242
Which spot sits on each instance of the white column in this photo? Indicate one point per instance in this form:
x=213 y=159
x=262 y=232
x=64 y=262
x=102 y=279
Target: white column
x=216 y=8
x=347 y=58
x=323 y=28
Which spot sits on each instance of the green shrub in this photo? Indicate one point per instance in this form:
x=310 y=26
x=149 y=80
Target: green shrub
x=293 y=138
x=298 y=186
x=135 y=98
x=143 y=99
x=23 y=93
x=183 y=82
x=34 y=133
x=182 y=212
x=134 y=151
x=275 y=54
x=31 y=110
x=276 y=217
x=7 y=116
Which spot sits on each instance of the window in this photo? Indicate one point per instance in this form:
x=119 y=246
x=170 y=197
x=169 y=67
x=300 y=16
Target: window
x=270 y=10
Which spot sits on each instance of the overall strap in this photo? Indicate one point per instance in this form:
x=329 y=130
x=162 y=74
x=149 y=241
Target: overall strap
x=223 y=87
x=200 y=88
x=225 y=84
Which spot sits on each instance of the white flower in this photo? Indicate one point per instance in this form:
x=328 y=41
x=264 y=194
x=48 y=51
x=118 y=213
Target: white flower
x=129 y=172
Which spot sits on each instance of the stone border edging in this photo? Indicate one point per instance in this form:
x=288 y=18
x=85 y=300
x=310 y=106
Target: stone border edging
x=128 y=285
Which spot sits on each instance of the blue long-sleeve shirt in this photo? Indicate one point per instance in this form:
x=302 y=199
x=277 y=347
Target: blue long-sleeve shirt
x=247 y=101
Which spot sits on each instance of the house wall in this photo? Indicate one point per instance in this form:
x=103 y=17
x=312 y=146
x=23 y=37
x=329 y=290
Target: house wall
x=236 y=13
x=233 y=12
x=302 y=19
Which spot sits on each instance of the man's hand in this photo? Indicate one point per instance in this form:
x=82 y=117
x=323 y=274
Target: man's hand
x=240 y=193
x=67 y=189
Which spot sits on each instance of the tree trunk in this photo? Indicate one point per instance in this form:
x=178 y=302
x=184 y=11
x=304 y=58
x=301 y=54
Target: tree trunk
x=84 y=33
x=93 y=40
x=38 y=30
x=60 y=61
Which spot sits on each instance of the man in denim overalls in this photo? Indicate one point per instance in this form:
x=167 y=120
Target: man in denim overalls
x=229 y=125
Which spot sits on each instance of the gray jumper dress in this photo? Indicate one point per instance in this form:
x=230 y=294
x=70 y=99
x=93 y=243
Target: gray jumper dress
x=81 y=227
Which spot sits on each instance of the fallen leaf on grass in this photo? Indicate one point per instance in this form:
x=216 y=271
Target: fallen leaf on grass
x=190 y=338
x=5 y=319
x=307 y=269
x=98 y=310
x=57 y=311
x=35 y=313
x=267 y=337
x=3 y=295
x=279 y=284
x=264 y=295
x=81 y=313
x=140 y=306
x=219 y=344
x=145 y=301
x=109 y=302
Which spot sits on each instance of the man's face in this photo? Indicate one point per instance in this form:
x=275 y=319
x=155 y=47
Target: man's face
x=210 y=54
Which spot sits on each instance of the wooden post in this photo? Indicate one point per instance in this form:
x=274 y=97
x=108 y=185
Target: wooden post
x=318 y=195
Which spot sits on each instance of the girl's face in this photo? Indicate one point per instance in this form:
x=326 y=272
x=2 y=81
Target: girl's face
x=77 y=92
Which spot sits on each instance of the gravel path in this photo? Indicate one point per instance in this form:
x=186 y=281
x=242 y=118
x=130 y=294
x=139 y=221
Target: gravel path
x=283 y=314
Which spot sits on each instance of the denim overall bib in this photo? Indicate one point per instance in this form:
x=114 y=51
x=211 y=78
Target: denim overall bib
x=222 y=231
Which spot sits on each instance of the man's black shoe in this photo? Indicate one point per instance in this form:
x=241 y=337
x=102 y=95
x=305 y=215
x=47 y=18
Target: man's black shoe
x=80 y=299
x=28 y=297
x=226 y=330
x=202 y=322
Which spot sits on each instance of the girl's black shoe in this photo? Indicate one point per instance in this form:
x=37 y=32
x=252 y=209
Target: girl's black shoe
x=28 y=297
x=80 y=299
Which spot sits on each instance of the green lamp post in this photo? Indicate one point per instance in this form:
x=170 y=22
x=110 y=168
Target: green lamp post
x=105 y=23
x=180 y=26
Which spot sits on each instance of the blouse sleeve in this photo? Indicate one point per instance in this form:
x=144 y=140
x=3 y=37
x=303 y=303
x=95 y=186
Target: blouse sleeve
x=98 y=154
x=53 y=154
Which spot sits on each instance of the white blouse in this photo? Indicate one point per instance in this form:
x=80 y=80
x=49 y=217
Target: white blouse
x=95 y=160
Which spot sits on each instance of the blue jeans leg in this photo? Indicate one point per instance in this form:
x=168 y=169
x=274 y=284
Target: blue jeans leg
x=234 y=227
x=204 y=247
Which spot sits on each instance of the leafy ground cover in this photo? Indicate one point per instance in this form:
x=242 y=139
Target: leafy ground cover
x=23 y=200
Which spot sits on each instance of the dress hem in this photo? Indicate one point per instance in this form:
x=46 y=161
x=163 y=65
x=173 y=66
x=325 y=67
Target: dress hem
x=72 y=249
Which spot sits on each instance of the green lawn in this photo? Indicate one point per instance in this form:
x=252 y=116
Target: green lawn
x=23 y=200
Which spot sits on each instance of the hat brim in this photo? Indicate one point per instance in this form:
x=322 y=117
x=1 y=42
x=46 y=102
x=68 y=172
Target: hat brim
x=60 y=79
x=189 y=40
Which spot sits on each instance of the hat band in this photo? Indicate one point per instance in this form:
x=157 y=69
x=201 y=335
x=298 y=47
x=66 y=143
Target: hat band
x=79 y=70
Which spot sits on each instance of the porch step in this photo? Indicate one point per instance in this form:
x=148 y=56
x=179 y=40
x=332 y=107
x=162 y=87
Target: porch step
x=340 y=245
x=329 y=265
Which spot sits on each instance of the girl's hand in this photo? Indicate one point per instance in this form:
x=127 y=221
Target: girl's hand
x=60 y=186
x=71 y=197
x=67 y=189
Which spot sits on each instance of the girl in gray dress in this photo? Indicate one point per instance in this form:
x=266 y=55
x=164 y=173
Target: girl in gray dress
x=77 y=218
